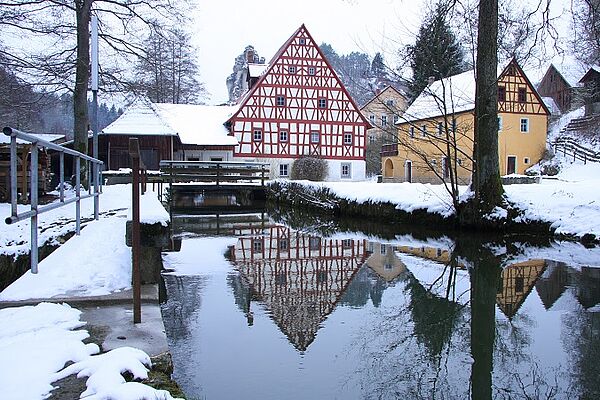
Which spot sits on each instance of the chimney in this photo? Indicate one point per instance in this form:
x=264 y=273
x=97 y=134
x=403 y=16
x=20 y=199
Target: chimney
x=430 y=80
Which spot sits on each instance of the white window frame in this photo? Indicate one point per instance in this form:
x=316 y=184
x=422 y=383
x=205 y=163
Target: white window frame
x=312 y=71
x=372 y=119
x=283 y=136
x=322 y=103
x=384 y=120
x=291 y=69
x=411 y=131
x=284 y=170
x=346 y=170
x=280 y=100
x=524 y=123
x=424 y=130
x=257 y=135
x=526 y=160
x=347 y=138
x=440 y=128
x=315 y=137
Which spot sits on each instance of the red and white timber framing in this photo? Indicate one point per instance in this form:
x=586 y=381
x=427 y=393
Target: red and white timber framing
x=300 y=107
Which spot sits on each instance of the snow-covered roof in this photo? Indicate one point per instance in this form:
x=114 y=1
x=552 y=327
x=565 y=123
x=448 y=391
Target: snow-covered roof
x=256 y=70
x=193 y=124
x=140 y=118
x=551 y=105
x=196 y=124
x=49 y=137
x=456 y=92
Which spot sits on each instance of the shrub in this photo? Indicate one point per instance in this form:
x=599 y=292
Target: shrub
x=310 y=168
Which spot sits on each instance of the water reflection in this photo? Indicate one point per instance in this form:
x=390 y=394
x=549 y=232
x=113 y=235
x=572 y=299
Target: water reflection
x=401 y=317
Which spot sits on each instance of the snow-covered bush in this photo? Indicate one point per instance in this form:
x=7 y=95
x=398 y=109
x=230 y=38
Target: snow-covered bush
x=310 y=168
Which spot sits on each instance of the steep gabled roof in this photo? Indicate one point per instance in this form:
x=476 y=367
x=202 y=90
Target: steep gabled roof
x=377 y=95
x=271 y=64
x=454 y=95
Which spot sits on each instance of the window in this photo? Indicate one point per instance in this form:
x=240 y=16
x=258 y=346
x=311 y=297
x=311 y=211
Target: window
x=302 y=41
x=383 y=249
x=314 y=243
x=499 y=123
x=311 y=70
x=524 y=125
x=314 y=137
x=372 y=119
x=411 y=131
x=322 y=103
x=283 y=136
x=283 y=170
x=519 y=284
x=388 y=267
x=371 y=139
x=526 y=160
x=193 y=159
x=501 y=93
x=433 y=162
x=280 y=101
x=424 y=130
x=396 y=119
x=511 y=71
x=347 y=243
x=257 y=136
x=257 y=245
x=347 y=138
x=292 y=69
x=384 y=120
x=346 y=171
x=284 y=244
x=522 y=95
x=454 y=125
x=440 y=129
x=389 y=102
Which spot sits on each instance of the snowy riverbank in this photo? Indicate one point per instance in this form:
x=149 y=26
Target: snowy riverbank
x=570 y=201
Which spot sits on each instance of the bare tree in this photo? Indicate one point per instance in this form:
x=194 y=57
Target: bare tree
x=54 y=46
x=167 y=72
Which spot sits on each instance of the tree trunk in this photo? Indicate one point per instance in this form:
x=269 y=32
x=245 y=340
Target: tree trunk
x=486 y=182
x=82 y=74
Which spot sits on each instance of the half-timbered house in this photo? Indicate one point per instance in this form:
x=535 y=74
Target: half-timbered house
x=442 y=118
x=297 y=276
x=299 y=107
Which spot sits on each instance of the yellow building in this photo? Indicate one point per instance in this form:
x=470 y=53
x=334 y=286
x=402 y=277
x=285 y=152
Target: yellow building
x=383 y=111
x=436 y=131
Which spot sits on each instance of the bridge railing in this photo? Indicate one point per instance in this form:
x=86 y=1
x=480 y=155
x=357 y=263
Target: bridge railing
x=570 y=148
x=218 y=172
x=36 y=209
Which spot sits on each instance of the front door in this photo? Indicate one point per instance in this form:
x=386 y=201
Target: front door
x=408 y=172
x=511 y=165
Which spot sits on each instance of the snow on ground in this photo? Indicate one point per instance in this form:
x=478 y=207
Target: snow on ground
x=95 y=263
x=37 y=341
x=14 y=238
x=570 y=201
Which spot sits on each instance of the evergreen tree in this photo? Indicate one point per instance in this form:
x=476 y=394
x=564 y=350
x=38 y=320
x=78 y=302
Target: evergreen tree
x=378 y=67
x=436 y=52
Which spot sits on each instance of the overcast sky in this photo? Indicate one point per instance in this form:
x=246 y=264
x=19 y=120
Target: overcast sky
x=223 y=28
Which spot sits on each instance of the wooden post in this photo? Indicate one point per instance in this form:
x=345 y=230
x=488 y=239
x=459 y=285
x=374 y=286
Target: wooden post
x=134 y=152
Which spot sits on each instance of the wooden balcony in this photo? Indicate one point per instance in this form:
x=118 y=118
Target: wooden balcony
x=389 y=150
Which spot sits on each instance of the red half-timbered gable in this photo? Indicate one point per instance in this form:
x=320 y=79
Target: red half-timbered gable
x=299 y=107
x=516 y=94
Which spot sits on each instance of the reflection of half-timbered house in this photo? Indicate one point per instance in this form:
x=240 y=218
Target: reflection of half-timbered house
x=299 y=107
x=299 y=277
x=516 y=282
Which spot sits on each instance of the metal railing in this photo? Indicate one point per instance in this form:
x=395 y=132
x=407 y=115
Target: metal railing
x=217 y=172
x=570 y=148
x=36 y=210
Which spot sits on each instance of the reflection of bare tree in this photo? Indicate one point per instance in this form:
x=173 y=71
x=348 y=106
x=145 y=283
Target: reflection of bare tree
x=183 y=302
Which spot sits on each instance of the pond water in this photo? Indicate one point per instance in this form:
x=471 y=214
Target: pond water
x=285 y=306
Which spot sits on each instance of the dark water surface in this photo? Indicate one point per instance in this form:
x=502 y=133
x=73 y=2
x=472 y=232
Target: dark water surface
x=257 y=309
